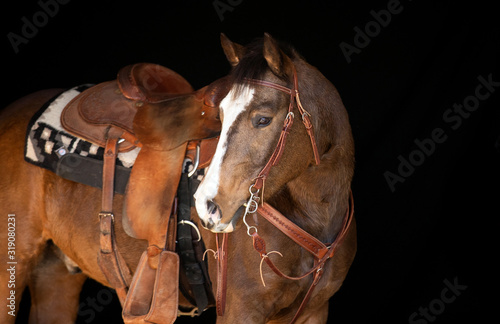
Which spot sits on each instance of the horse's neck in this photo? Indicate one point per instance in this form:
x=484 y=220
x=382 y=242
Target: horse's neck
x=318 y=199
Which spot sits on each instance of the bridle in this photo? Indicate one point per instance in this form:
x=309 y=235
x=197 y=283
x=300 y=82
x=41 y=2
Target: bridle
x=320 y=251
x=287 y=125
x=253 y=202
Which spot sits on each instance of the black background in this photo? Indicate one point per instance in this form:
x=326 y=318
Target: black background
x=437 y=225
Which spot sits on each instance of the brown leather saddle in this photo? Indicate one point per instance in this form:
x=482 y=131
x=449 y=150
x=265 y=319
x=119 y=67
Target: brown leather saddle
x=151 y=107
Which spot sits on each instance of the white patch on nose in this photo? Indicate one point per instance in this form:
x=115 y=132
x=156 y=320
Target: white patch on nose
x=231 y=107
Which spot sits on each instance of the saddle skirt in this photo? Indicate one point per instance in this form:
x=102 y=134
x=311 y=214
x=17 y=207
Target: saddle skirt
x=50 y=146
x=68 y=134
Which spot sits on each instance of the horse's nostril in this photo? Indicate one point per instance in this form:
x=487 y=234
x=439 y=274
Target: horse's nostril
x=213 y=209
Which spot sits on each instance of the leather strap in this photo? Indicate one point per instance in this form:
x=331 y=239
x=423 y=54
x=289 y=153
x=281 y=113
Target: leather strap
x=276 y=156
x=301 y=237
x=278 y=151
x=108 y=174
x=221 y=273
x=110 y=260
x=317 y=276
x=320 y=251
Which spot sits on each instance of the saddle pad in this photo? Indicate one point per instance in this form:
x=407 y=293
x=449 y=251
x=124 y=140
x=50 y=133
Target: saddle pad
x=49 y=146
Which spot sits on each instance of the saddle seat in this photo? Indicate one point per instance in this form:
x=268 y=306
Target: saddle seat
x=151 y=83
x=108 y=109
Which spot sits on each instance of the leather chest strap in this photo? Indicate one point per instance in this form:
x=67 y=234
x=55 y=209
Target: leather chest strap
x=320 y=251
x=297 y=234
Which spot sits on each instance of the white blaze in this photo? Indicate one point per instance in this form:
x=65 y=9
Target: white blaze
x=231 y=107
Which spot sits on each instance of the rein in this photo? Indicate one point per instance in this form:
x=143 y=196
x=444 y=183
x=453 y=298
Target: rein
x=320 y=251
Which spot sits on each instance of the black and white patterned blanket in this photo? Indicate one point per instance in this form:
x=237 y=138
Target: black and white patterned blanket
x=48 y=144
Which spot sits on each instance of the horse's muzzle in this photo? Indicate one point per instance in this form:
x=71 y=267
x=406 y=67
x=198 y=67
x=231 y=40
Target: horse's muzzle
x=212 y=219
x=211 y=216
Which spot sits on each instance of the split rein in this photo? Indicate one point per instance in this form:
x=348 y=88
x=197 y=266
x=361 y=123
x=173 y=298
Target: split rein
x=321 y=252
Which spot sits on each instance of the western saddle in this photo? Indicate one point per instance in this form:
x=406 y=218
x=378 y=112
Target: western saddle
x=156 y=109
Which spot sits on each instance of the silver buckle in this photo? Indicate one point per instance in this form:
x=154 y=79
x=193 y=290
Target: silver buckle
x=106 y=214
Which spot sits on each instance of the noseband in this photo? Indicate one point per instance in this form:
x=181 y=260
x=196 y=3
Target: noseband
x=278 y=151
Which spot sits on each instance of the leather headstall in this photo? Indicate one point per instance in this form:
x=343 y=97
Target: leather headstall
x=287 y=125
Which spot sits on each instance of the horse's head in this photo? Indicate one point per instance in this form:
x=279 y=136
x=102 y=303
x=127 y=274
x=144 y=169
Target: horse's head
x=253 y=116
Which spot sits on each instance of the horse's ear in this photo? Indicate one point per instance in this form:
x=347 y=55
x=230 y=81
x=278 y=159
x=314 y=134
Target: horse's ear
x=279 y=63
x=233 y=51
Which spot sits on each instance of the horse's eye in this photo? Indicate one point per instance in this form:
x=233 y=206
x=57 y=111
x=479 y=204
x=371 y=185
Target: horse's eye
x=260 y=121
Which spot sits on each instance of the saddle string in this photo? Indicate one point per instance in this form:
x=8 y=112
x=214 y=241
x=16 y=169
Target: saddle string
x=262 y=261
x=216 y=254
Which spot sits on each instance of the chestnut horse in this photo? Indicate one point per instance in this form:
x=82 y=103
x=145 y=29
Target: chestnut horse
x=307 y=178
x=54 y=221
x=51 y=225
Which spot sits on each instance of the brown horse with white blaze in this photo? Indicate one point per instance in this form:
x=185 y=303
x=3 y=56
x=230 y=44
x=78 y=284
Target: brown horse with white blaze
x=303 y=171
x=308 y=181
